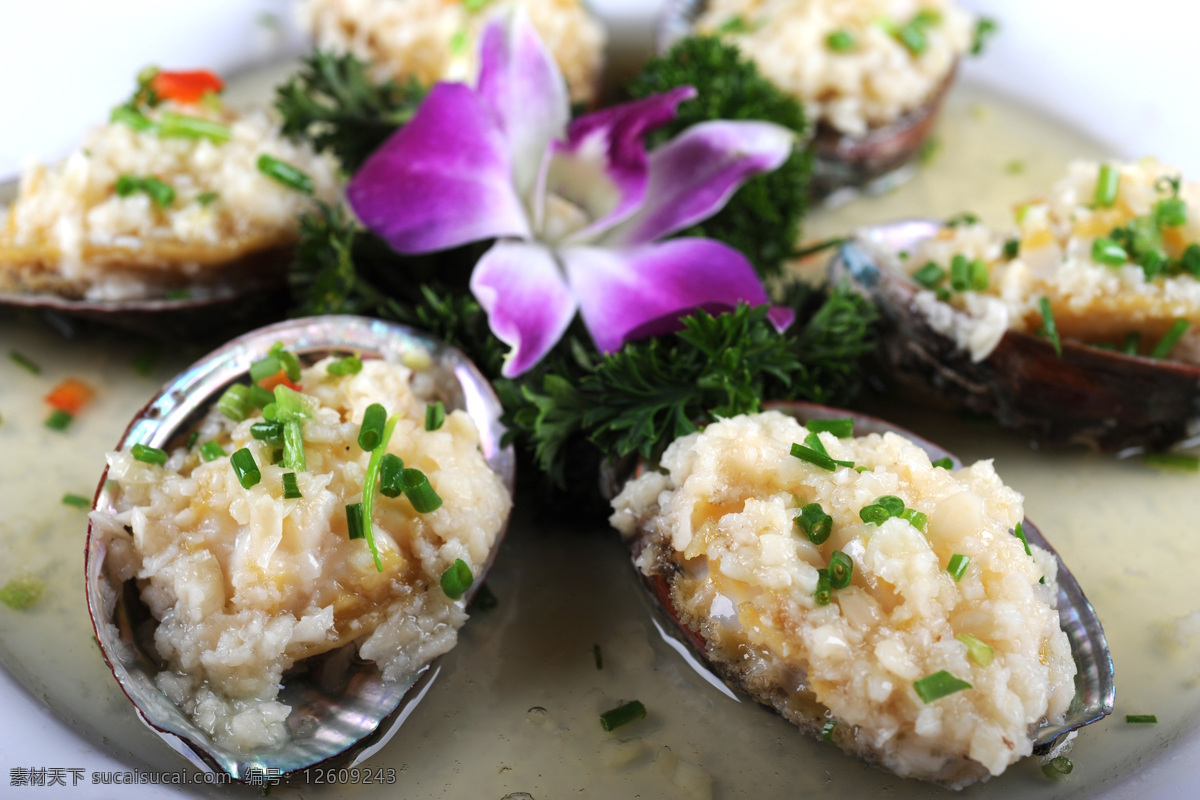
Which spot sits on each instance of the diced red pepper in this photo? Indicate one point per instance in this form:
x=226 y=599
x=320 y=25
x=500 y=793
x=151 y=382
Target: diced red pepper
x=72 y=395
x=186 y=87
x=279 y=378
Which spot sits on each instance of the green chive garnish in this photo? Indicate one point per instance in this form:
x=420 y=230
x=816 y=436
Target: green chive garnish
x=1172 y=337
x=915 y=518
x=285 y=173
x=354 y=521
x=259 y=397
x=960 y=273
x=192 y=438
x=25 y=362
x=1141 y=719
x=824 y=592
x=162 y=194
x=1049 y=329
x=291 y=364
x=827 y=730
x=435 y=415
x=372 y=477
x=944 y=463
x=813 y=457
x=21 y=592
x=1191 y=260
x=979 y=652
x=422 y=496
x=291 y=490
x=269 y=432
x=1170 y=212
x=291 y=409
x=1106 y=251
x=59 y=420
x=938 y=685
x=76 y=500
x=211 y=450
x=929 y=275
x=595 y=653
x=172 y=125
x=245 y=467
x=893 y=504
x=622 y=715
x=128 y=115
x=233 y=402
x=874 y=514
x=374 y=420
x=1106 y=186
x=841 y=428
x=1012 y=248
x=150 y=455
x=350 y=365
x=813 y=442
x=264 y=368
x=978 y=275
x=1057 y=767
x=958 y=565
x=841 y=569
x=1132 y=343
x=815 y=523
x=840 y=41
x=207 y=198
x=457 y=579
x=1178 y=461
x=391 y=475
x=1019 y=532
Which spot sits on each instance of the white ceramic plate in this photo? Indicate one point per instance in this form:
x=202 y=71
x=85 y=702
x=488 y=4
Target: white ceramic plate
x=1098 y=66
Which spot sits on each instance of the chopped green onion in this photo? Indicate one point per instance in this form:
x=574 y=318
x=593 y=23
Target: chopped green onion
x=1049 y=329
x=76 y=500
x=913 y=37
x=622 y=715
x=813 y=457
x=824 y=592
x=893 y=504
x=1172 y=337
x=1057 y=767
x=374 y=420
x=917 y=519
x=285 y=173
x=260 y=397
x=372 y=477
x=162 y=194
x=979 y=652
x=960 y=273
x=270 y=410
x=422 y=496
x=192 y=438
x=944 y=463
x=595 y=652
x=958 y=565
x=435 y=415
x=813 y=442
x=1141 y=719
x=149 y=455
x=350 y=365
x=264 y=368
x=269 y=432
x=840 y=41
x=354 y=522
x=978 y=275
x=207 y=198
x=25 y=362
x=735 y=24
x=21 y=592
x=827 y=730
x=1107 y=183
x=233 y=402
x=128 y=115
x=841 y=428
x=391 y=476
x=1191 y=260
x=938 y=685
x=291 y=489
x=245 y=467
x=874 y=514
x=1106 y=251
x=1019 y=532
x=291 y=364
x=457 y=579
x=1179 y=461
x=1170 y=212
x=962 y=218
x=181 y=126
x=929 y=275
x=276 y=455
x=291 y=409
x=59 y=420
x=1152 y=263
x=1132 y=343
x=815 y=523
x=211 y=450
x=1012 y=248
x=841 y=569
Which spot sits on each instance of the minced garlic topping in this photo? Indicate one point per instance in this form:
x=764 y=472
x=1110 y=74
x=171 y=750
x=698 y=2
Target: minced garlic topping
x=724 y=513
x=1092 y=302
x=873 y=81
x=245 y=583
x=435 y=40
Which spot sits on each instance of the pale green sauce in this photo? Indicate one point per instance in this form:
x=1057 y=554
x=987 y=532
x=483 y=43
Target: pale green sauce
x=1126 y=531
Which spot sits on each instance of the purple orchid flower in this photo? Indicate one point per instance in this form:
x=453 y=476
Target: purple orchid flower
x=577 y=208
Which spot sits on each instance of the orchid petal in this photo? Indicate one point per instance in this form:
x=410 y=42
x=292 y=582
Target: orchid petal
x=693 y=176
x=442 y=180
x=602 y=166
x=528 y=304
x=521 y=83
x=644 y=290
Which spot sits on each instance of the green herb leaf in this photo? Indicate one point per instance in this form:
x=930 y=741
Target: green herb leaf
x=938 y=685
